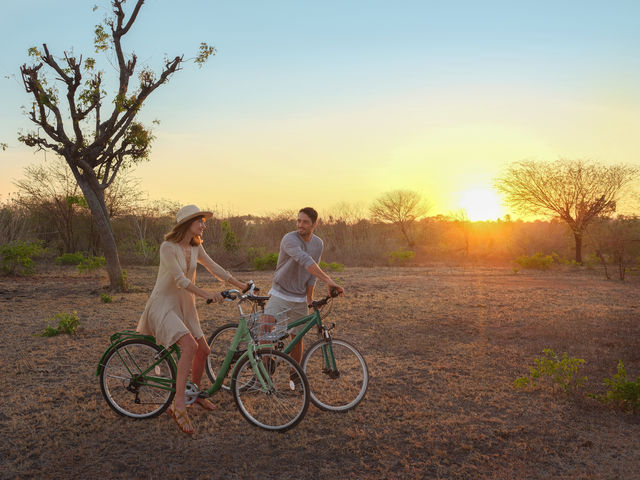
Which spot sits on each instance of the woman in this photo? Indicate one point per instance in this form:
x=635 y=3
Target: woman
x=170 y=314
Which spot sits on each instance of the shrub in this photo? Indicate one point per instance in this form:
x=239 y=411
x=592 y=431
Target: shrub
x=67 y=323
x=334 y=266
x=16 y=257
x=563 y=371
x=401 y=257
x=146 y=249
x=106 y=298
x=84 y=262
x=89 y=264
x=74 y=258
x=622 y=393
x=538 y=261
x=268 y=261
x=230 y=241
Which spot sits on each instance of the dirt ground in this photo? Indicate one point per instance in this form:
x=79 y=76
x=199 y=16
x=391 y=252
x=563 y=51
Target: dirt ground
x=443 y=345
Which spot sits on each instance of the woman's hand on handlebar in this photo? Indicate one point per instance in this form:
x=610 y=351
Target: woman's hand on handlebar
x=214 y=297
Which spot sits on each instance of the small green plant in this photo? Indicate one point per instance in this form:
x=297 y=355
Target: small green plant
x=124 y=280
x=333 y=266
x=563 y=371
x=268 y=261
x=67 y=323
x=74 y=258
x=106 y=298
x=400 y=257
x=538 y=261
x=622 y=393
x=16 y=257
x=89 y=264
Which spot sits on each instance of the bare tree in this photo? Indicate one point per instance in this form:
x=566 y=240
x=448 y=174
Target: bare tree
x=95 y=145
x=52 y=196
x=13 y=221
x=576 y=191
x=619 y=240
x=402 y=208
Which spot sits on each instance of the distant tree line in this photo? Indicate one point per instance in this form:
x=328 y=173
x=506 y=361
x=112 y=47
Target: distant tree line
x=49 y=209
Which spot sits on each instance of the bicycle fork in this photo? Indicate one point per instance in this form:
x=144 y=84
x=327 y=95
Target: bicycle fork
x=330 y=367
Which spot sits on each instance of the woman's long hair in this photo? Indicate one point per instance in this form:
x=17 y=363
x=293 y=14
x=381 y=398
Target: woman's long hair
x=179 y=231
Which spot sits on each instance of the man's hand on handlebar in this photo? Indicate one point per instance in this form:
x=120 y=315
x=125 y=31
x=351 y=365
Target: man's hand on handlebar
x=336 y=291
x=248 y=287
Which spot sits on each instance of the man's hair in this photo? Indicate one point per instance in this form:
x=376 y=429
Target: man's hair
x=310 y=212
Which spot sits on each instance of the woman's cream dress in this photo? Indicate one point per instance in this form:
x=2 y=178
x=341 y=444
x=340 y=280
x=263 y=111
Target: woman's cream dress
x=171 y=311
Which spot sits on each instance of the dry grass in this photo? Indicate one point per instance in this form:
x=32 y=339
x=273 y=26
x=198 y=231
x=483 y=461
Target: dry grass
x=443 y=345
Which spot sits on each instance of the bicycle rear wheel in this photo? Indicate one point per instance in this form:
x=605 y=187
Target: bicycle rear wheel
x=219 y=343
x=134 y=382
x=338 y=387
x=284 y=403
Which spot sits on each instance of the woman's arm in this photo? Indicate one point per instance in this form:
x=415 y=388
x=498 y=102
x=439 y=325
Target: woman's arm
x=215 y=296
x=169 y=259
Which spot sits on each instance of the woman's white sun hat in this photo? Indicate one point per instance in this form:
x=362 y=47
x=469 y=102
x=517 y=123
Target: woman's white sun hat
x=189 y=212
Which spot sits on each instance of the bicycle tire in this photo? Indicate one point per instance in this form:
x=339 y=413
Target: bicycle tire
x=219 y=343
x=124 y=393
x=336 y=391
x=279 y=408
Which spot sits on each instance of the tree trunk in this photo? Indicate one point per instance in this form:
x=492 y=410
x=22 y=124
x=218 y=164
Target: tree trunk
x=98 y=208
x=578 y=239
x=405 y=232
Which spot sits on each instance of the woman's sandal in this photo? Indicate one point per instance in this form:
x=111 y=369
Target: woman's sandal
x=182 y=419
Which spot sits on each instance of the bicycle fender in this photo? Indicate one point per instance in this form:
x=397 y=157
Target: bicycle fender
x=120 y=337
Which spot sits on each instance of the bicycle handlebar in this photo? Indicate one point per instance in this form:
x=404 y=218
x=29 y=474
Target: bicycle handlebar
x=319 y=303
x=232 y=294
x=248 y=294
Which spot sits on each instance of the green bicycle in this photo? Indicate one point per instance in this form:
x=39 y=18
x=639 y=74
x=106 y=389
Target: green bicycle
x=336 y=370
x=138 y=376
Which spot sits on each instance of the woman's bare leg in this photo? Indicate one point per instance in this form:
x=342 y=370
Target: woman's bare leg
x=197 y=369
x=199 y=359
x=188 y=348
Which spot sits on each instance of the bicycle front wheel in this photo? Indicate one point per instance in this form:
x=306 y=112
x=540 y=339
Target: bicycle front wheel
x=136 y=381
x=338 y=375
x=282 y=402
x=219 y=343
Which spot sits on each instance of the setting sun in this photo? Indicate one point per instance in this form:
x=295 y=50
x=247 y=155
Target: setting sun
x=481 y=204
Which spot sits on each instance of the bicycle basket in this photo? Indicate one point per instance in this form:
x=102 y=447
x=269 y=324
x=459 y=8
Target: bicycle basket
x=268 y=327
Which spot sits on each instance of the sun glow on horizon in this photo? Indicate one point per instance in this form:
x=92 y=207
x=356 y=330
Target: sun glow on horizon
x=481 y=204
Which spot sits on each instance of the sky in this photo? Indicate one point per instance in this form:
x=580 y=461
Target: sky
x=334 y=103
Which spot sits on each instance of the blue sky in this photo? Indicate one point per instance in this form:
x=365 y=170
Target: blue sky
x=328 y=102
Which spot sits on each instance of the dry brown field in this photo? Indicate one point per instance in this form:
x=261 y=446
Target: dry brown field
x=443 y=345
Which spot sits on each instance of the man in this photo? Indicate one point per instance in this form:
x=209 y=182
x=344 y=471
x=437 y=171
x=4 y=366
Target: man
x=296 y=273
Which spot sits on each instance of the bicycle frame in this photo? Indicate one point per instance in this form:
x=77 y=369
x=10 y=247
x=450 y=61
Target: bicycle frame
x=311 y=320
x=242 y=335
